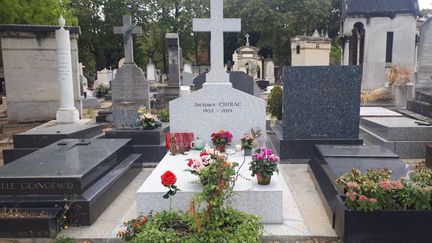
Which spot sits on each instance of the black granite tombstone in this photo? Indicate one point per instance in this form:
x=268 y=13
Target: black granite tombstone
x=239 y=80
x=321 y=105
x=92 y=171
x=332 y=161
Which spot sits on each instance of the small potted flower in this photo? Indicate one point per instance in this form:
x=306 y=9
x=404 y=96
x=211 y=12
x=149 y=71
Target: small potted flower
x=221 y=139
x=247 y=143
x=264 y=164
x=147 y=120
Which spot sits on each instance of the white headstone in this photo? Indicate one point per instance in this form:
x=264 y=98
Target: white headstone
x=151 y=72
x=187 y=74
x=67 y=113
x=217 y=105
x=105 y=76
x=269 y=71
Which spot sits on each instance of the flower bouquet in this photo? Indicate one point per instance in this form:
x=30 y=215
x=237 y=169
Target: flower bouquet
x=147 y=120
x=221 y=139
x=264 y=164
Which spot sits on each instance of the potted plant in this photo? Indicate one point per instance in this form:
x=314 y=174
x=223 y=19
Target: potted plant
x=147 y=120
x=221 y=139
x=247 y=144
x=264 y=163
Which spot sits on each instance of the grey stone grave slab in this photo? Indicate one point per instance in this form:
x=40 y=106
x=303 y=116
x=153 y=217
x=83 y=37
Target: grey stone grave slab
x=355 y=151
x=321 y=105
x=378 y=112
x=51 y=132
x=239 y=80
x=404 y=136
x=398 y=128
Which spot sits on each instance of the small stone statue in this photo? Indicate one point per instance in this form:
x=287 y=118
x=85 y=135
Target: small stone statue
x=176 y=148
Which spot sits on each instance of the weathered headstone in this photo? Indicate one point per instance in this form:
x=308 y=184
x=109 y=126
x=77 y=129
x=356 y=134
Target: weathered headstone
x=239 y=80
x=130 y=89
x=321 y=105
x=217 y=105
x=172 y=40
x=269 y=74
x=151 y=72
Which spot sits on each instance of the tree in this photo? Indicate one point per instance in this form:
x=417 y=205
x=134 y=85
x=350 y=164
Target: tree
x=43 y=12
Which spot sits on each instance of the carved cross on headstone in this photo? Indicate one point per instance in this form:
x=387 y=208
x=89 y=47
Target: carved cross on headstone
x=127 y=30
x=247 y=39
x=217 y=25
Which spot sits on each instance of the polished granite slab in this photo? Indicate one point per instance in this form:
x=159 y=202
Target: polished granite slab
x=65 y=167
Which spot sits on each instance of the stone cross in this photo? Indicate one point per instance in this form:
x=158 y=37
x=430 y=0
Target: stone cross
x=247 y=39
x=217 y=25
x=127 y=30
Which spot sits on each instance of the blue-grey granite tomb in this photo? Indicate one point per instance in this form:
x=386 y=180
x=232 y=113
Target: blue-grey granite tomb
x=321 y=105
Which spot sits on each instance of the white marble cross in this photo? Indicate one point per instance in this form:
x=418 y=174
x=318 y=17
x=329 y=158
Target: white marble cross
x=247 y=39
x=127 y=30
x=217 y=25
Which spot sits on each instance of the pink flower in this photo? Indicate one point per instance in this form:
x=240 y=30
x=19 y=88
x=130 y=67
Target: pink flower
x=351 y=196
x=396 y=185
x=385 y=185
x=373 y=200
x=352 y=185
x=363 y=198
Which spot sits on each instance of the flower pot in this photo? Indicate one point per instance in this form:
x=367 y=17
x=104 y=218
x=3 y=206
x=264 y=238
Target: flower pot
x=221 y=148
x=263 y=180
x=247 y=152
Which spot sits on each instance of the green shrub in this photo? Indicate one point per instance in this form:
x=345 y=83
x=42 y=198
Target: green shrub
x=164 y=115
x=275 y=102
x=102 y=89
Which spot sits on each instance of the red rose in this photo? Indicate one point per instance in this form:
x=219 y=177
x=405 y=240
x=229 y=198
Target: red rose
x=168 y=178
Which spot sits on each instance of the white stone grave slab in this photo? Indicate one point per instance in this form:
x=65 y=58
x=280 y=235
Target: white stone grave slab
x=264 y=201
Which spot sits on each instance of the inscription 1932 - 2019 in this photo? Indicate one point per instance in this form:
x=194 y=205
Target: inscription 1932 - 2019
x=218 y=107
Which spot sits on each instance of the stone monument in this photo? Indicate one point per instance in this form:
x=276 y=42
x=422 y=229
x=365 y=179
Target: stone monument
x=217 y=105
x=67 y=113
x=130 y=89
x=321 y=105
x=29 y=54
x=422 y=103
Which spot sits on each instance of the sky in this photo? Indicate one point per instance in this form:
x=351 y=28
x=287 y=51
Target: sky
x=425 y=4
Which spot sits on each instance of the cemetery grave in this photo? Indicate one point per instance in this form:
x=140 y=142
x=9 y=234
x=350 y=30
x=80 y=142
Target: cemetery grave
x=219 y=171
